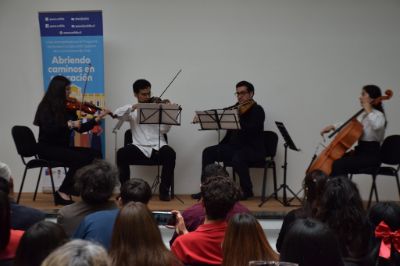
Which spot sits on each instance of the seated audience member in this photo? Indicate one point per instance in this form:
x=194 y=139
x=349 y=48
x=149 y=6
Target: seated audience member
x=95 y=183
x=385 y=220
x=78 y=252
x=98 y=226
x=195 y=215
x=9 y=238
x=313 y=185
x=22 y=217
x=340 y=207
x=204 y=245
x=136 y=239
x=38 y=242
x=311 y=243
x=245 y=241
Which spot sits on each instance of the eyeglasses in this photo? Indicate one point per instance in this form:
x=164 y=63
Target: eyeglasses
x=241 y=93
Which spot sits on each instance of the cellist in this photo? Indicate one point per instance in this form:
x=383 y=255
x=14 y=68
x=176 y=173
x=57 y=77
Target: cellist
x=373 y=120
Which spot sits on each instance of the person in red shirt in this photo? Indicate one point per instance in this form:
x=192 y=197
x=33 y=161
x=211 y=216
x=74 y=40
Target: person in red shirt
x=204 y=245
x=9 y=238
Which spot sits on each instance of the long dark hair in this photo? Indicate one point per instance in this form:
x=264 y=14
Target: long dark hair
x=136 y=239
x=374 y=92
x=312 y=243
x=313 y=184
x=54 y=101
x=340 y=207
x=5 y=225
x=245 y=241
x=388 y=212
x=38 y=242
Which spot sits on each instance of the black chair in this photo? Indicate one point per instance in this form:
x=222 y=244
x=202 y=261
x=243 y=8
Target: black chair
x=149 y=162
x=27 y=148
x=271 y=143
x=390 y=165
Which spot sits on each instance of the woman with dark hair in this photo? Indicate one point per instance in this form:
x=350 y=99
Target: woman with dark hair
x=38 y=242
x=313 y=185
x=136 y=239
x=385 y=219
x=340 y=207
x=56 y=125
x=245 y=241
x=311 y=243
x=373 y=120
x=9 y=238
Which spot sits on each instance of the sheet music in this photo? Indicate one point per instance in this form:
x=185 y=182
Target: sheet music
x=150 y=113
x=218 y=119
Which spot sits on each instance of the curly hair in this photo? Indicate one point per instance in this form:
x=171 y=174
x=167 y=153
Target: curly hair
x=219 y=194
x=95 y=182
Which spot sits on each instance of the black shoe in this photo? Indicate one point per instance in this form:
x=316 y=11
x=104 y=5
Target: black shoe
x=164 y=197
x=196 y=196
x=60 y=201
x=246 y=195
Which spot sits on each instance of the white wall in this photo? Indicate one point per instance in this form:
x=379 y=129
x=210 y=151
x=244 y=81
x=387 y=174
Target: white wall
x=307 y=59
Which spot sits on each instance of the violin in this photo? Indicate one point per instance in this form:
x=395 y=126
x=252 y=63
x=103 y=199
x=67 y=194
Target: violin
x=348 y=134
x=73 y=104
x=242 y=107
x=157 y=100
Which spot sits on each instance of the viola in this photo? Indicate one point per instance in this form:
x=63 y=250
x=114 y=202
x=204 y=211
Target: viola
x=157 y=100
x=73 y=104
x=347 y=135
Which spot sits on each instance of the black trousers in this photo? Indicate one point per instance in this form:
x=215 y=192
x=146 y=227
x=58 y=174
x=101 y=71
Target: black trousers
x=130 y=155
x=365 y=155
x=240 y=158
x=73 y=157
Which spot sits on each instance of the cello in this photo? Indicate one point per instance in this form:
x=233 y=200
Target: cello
x=347 y=135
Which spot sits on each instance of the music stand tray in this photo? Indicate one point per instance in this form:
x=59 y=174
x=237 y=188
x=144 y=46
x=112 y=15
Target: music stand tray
x=288 y=144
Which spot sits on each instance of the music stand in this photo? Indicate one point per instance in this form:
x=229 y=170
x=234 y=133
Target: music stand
x=160 y=114
x=288 y=144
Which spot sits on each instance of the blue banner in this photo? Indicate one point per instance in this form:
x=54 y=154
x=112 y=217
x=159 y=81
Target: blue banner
x=72 y=46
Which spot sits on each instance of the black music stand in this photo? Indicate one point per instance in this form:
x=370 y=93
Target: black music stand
x=288 y=144
x=160 y=114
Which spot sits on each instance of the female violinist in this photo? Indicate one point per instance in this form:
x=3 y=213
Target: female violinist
x=56 y=124
x=373 y=120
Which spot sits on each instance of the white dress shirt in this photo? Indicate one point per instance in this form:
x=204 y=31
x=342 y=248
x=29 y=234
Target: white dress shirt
x=373 y=125
x=144 y=136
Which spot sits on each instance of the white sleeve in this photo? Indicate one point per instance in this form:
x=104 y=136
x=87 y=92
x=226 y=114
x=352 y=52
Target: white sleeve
x=377 y=120
x=122 y=112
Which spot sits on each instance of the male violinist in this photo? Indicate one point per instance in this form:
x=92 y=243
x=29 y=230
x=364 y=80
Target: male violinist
x=145 y=141
x=243 y=146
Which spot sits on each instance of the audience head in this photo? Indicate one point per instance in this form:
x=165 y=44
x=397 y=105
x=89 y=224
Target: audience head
x=4 y=186
x=5 y=174
x=311 y=243
x=340 y=207
x=245 y=241
x=136 y=239
x=96 y=181
x=214 y=169
x=5 y=171
x=135 y=189
x=389 y=214
x=219 y=194
x=78 y=252
x=38 y=242
x=5 y=225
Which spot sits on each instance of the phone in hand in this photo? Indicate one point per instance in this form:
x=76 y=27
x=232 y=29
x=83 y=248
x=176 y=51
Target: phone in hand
x=165 y=218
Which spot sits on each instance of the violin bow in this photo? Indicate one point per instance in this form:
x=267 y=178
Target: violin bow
x=180 y=70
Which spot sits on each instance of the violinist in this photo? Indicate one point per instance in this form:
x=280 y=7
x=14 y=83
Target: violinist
x=243 y=146
x=56 y=124
x=373 y=120
x=146 y=143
